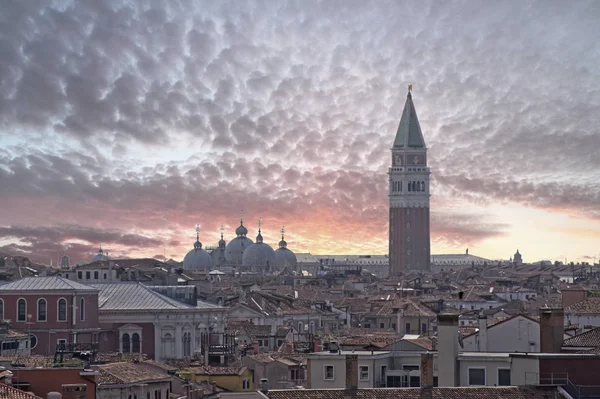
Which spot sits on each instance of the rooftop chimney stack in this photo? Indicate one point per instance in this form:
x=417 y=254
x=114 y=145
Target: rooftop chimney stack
x=427 y=370
x=351 y=371
x=448 y=349
x=483 y=336
x=552 y=329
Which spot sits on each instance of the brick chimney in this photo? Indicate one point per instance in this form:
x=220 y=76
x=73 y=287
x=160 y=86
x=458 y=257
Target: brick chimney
x=448 y=350
x=552 y=329
x=427 y=370
x=572 y=295
x=317 y=344
x=351 y=371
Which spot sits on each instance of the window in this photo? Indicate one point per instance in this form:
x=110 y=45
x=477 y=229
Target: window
x=423 y=328
x=135 y=343
x=105 y=277
x=95 y=275
x=504 y=377
x=67 y=276
x=62 y=342
x=33 y=341
x=87 y=275
x=82 y=309
x=22 y=310
x=363 y=373
x=79 y=275
x=476 y=376
x=41 y=310
x=126 y=343
x=1 y=309
x=294 y=374
x=300 y=327
x=381 y=325
x=383 y=374
x=328 y=372
x=62 y=309
x=246 y=384
x=407 y=328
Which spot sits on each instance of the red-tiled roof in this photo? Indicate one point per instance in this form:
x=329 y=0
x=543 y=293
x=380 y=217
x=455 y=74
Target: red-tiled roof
x=127 y=373
x=7 y=392
x=587 y=339
x=417 y=393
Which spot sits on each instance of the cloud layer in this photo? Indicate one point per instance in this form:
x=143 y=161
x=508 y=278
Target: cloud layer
x=126 y=123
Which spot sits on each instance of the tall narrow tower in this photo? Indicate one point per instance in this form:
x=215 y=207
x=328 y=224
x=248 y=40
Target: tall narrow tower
x=410 y=247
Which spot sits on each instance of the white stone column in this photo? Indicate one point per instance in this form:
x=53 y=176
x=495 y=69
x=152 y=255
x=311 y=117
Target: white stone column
x=158 y=346
x=193 y=340
x=178 y=342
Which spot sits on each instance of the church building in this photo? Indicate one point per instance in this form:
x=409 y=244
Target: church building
x=409 y=240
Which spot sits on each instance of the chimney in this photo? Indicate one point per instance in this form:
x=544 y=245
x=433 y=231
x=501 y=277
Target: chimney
x=317 y=344
x=427 y=370
x=264 y=385
x=448 y=349
x=483 y=337
x=400 y=321
x=552 y=329
x=308 y=370
x=571 y=296
x=351 y=371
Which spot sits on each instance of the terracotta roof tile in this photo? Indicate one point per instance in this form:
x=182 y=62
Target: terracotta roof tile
x=589 y=305
x=7 y=392
x=127 y=373
x=417 y=393
x=587 y=339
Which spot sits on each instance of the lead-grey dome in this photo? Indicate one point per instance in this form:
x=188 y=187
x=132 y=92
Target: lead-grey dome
x=284 y=257
x=259 y=256
x=100 y=256
x=197 y=259
x=236 y=247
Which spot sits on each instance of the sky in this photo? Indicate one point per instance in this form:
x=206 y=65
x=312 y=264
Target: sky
x=124 y=124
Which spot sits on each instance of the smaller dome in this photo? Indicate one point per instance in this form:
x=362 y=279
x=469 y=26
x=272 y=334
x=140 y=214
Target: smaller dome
x=197 y=259
x=241 y=231
x=284 y=258
x=100 y=256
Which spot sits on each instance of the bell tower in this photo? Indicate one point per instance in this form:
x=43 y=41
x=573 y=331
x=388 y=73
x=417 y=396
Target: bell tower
x=409 y=241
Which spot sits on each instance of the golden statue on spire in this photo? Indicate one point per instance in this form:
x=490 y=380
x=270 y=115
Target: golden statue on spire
x=410 y=87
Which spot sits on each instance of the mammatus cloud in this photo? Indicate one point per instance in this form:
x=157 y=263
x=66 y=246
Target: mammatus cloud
x=142 y=120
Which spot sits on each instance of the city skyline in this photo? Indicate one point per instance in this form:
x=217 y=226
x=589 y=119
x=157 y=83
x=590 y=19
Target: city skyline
x=126 y=125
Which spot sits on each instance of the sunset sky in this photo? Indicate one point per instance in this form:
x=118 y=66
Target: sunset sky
x=126 y=124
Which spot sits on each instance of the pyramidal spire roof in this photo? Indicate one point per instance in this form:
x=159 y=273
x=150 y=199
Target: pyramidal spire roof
x=409 y=133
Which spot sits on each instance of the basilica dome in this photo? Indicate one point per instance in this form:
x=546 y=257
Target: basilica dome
x=236 y=247
x=284 y=258
x=100 y=256
x=197 y=259
x=259 y=256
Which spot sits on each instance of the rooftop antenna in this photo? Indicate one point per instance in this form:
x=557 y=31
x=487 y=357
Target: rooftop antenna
x=242 y=216
x=282 y=231
x=259 y=223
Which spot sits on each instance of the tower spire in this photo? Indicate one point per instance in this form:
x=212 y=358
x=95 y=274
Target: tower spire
x=409 y=133
x=197 y=244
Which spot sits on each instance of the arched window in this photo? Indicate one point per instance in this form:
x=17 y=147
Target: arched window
x=422 y=186
x=41 y=310
x=82 y=309
x=135 y=343
x=409 y=186
x=22 y=310
x=126 y=343
x=300 y=327
x=62 y=309
x=1 y=309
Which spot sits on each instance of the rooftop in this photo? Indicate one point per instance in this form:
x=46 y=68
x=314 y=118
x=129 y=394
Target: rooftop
x=417 y=393
x=137 y=296
x=54 y=283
